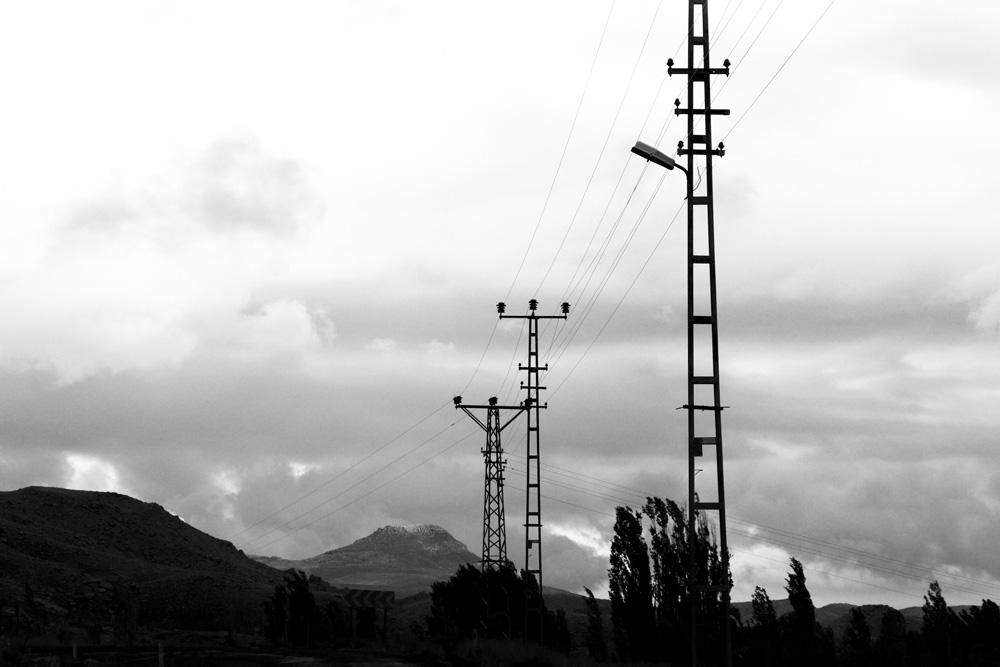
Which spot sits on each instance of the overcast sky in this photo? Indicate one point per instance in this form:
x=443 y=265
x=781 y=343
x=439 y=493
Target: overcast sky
x=251 y=250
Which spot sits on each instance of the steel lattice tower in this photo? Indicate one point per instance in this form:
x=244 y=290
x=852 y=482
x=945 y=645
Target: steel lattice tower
x=703 y=397
x=534 y=604
x=494 y=521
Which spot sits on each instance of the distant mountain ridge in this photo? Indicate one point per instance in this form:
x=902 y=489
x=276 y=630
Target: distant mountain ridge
x=405 y=559
x=76 y=548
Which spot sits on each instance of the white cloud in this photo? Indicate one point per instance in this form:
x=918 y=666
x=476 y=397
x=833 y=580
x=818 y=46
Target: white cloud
x=228 y=482
x=583 y=535
x=436 y=347
x=91 y=473
x=299 y=470
x=140 y=280
x=279 y=327
x=382 y=344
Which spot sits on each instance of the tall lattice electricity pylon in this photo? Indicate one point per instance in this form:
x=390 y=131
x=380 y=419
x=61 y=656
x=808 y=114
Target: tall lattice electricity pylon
x=704 y=406
x=494 y=521
x=534 y=605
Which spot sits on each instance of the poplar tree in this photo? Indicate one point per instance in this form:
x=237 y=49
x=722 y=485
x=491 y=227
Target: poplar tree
x=630 y=587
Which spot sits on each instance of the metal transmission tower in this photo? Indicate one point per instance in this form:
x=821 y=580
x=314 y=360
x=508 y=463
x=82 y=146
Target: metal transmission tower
x=494 y=522
x=534 y=606
x=703 y=327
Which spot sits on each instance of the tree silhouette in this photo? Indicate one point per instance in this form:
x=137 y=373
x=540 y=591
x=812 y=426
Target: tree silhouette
x=858 y=641
x=456 y=612
x=980 y=634
x=890 y=647
x=764 y=634
x=291 y=616
x=800 y=634
x=596 y=646
x=650 y=607
x=807 y=643
x=939 y=628
x=630 y=588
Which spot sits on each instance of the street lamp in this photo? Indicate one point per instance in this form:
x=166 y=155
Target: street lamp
x=656 y=156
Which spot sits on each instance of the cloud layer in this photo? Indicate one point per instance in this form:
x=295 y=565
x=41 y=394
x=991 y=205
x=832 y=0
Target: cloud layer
x=246 y=268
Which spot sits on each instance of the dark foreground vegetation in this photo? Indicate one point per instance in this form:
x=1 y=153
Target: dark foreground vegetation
x=650 y=612
x=122 y=580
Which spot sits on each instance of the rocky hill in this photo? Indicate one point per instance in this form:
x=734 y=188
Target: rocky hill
x=406 y=560
x=84 y=553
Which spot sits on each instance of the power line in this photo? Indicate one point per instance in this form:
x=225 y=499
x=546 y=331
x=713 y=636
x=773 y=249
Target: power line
x=562 y=157
x=617 y=306
x=377 y=488
x=604 y=147
x=767 y=85
x=816 y=551
x=337 y=476
x=329 y=500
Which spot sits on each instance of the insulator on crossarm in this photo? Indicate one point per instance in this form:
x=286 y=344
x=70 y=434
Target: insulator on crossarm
x=501 y=307
x=533 y=305
x=493 y=400
x=458 y=401
x=565 y=307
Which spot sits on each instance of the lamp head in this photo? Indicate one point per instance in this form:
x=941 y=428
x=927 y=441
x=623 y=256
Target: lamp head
x=654 y=155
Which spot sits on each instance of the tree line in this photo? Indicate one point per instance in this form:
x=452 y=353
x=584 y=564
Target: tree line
x=650 y=611
x=490 y=604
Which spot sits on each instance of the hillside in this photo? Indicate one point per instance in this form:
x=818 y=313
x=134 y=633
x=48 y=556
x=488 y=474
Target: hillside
x=837 y=616
x=78 y=550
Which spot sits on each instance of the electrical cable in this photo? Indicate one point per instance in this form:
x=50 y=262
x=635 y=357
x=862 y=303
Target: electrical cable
x=480 y=364
x=746 y=553
x=604 y=147
x=314 y=508
x=617 y=306
x=771 y=80
x=562 y=157
x=377 y=488
x=817 y=551
x=337 y=476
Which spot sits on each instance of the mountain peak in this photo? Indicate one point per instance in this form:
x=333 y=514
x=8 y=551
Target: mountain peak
x=413 y=529
x=426 y=538
x=406 y=559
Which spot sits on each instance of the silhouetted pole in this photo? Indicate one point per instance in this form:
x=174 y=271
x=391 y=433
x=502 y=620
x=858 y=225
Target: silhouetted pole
x=701 y=283
x=533 y=605
x=703 y=379
x=494 y=521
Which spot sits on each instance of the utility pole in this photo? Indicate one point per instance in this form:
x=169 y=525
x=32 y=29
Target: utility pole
x=704 y=407
x=534 y=605
x=494 y=522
